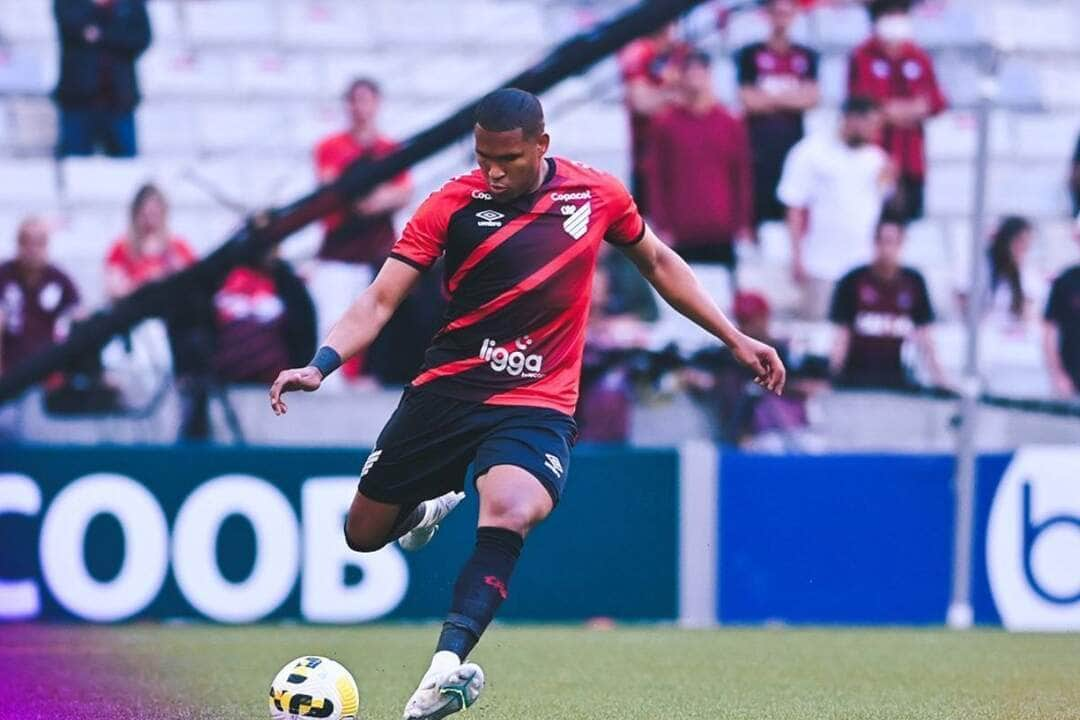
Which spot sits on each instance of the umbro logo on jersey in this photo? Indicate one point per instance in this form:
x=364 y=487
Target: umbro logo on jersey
x=577 y=224
x=553 y=464
x=489 y=218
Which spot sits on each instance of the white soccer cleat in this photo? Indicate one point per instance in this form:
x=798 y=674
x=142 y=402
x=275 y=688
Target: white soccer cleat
x=442 y=695
x=434 y=511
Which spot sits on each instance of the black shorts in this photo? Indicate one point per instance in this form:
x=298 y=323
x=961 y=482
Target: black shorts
x=429 y=442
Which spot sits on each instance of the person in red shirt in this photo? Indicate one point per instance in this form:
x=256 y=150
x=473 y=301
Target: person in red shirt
x=701 y=196
x=650 y=71
x=892 y=69
x=149 y=250
x=36 y=297
x=356 y=240
x=520 y=236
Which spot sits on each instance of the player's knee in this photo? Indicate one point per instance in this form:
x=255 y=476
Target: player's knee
x=360 y=541
x=516 y=514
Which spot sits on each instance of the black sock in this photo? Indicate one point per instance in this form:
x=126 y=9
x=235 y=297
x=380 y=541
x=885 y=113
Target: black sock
x=480 y=589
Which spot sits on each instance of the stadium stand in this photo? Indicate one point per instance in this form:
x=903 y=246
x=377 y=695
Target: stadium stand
x=237 y=91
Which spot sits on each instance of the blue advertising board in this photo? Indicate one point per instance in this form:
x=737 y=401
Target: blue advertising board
x=240 y=535
x=868 y=539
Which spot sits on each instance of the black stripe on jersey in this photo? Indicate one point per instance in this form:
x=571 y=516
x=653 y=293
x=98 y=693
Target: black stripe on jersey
x=534 y=309
x=513 y=262
x=465 y=233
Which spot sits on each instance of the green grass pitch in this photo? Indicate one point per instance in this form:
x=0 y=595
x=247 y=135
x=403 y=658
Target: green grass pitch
x=563 y=672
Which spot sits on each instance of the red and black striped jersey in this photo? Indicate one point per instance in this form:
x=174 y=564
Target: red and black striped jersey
x=519 y=278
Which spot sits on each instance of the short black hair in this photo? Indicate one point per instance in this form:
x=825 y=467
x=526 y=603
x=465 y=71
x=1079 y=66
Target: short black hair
x=509 y=109
x=859 y=105
x=878 y=8
x=891 y=214
x=363 y=82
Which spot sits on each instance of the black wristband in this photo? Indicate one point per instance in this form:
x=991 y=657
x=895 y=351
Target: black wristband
x=326 y=360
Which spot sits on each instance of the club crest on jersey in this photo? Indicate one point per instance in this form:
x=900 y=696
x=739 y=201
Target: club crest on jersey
x=577 y=223
x=489 y=218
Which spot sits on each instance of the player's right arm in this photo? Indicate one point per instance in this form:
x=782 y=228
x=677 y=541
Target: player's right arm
x=355 y=330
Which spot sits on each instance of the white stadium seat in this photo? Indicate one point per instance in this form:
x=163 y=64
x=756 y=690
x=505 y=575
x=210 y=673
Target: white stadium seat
x=840 y=25
x=321 y=24
x=947 y=25
x=1029 y=188
x=266 y=73
x=165 y=128
x=520 y=24
x=832 y=78
x=229 y=126
x=28 y=182
x=417 y=22
x=1046 y=137
x=339 y=69
x=25 y=69
x=27 y=20
x=949 y=189
x=230 y=21
x=100 y=180
x=1042 y=26
x=952 y=136
x=178 y=72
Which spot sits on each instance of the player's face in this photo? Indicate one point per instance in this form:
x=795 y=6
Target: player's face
x=782 y=14
x=33 y=246
x=510 y=161
x=890 y=243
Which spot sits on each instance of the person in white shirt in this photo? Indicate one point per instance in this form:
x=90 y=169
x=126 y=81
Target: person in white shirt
x=834 y=186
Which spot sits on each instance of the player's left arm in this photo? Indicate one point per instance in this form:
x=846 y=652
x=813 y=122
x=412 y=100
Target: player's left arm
x=677 y=284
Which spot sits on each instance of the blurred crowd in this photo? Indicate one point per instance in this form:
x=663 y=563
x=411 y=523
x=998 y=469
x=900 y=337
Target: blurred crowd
x=706 y=176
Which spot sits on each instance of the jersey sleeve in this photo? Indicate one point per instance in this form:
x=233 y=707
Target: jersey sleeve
x=934 y=96
x=922 y=312
x=746 y=66
x=842 y=308
x=1055 y=310
x=424 y=238
x=625 y=226
x=813 y=59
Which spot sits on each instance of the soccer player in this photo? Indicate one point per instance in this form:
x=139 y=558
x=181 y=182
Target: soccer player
x=520 y=236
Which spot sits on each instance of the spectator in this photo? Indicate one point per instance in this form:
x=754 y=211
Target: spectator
x=264 y=321
x=833 y=185
x=36 y=298
x=98 y=88
x=1074 y=179
x=1061 y=337
x=748 y=417
x=650 y=70
x=149 y=250
x=777 y=85
x=699 y=173
x=1010 y=354
x=356 y=240
x=899 y=75
x=876 y=308
x=1016 y=289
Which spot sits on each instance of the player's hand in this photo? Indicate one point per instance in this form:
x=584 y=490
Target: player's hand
x=763 y=361
x=307 y=379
